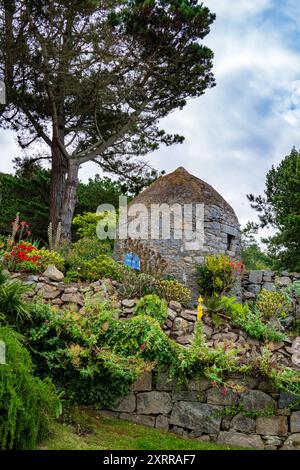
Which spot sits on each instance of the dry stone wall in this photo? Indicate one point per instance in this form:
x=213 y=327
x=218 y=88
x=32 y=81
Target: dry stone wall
x=258 y=418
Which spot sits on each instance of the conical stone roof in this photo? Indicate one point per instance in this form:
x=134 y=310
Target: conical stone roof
x=183 y=188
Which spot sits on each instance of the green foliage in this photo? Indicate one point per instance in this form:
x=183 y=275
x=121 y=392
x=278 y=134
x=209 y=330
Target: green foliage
x=217 y=274
x=153 y=306
x=27 y=192
x=95 y=358
x=51 y=258
x=173 y=290
x=293 y=289
x=12 y=306
x=255 y=328
x=135 y=284
x=255 y=259
x=98 y=191
x=101 y=267
x=28 y=195
x=84 y=250
x=279 y=207
x=27 y=403
x=242 y=317
x=86 y=224
x=273 y=304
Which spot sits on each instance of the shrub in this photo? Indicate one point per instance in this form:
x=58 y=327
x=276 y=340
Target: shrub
x=173 y=290
x=51 y=258
x=85 y=249
x=27 y=258
x=135 y=284
x=87 y=356
x=153 y=306
x=293 y=289
x=217 y=275
x=272 y=304
x=12 y=306
x=27 y=403
x=242 y=317
x=101 y=267
x=87 y=225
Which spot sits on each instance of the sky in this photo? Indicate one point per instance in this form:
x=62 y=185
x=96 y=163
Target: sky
x=250 y=120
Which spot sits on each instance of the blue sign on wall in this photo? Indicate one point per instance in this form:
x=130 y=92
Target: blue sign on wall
x=132 y=261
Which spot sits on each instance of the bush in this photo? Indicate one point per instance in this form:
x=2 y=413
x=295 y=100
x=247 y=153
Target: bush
x=272 y=304
x=87 y=225
x=152 y=306
x=217 y=275
x=93 y=358
x=51 y=258
x=173 y=290
x=102 y=267
x=135 y=284
x=84 y=250
x=26 y=257
x=12 y=306
x=27 y=403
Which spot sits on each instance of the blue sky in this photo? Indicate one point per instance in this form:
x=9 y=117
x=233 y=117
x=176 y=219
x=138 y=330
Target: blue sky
x=251 y=119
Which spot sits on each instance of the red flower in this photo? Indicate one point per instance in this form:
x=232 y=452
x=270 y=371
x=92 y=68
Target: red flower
x=223 y=391
x=143 y=347
x=214 y=383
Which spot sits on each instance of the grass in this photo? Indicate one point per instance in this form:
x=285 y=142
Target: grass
x=91 y=432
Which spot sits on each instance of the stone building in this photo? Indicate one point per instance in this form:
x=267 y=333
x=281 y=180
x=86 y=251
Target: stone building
x=201 y=223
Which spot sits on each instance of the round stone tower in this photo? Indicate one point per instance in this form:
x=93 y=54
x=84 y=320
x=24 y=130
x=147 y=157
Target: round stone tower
x=200 y=223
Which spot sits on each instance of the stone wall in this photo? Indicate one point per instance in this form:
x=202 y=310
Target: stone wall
x=201 y=411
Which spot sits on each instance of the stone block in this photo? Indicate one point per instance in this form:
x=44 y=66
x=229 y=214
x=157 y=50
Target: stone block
x=143 y=383
x=187 y=395
x=295 y=421
x=215 y=397
x=286 y=399
x=154 y=403
x=176 y=306
x=200 y=417
x=256 y=277
x=272 y=425
x=269 y=286
x=179 y=431
x=126 y=404
x=236 y=439
x=164 y=383
x=199 y=385
x=256 y=400
x=292 y=442
x=282 y=281
x=162 y=422
x=241 y=423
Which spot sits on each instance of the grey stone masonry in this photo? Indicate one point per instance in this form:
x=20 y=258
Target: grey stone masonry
x=201 y=410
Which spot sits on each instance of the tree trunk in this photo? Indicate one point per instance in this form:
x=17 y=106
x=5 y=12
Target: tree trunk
x=58 y=186
x=69 y=202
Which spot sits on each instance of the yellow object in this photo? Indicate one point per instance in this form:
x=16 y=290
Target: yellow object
x=200 y=309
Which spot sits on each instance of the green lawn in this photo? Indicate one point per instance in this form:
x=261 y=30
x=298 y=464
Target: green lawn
x=91 y=432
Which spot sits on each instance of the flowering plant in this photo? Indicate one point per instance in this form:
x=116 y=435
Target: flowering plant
x=23 y=257
x=200 y=309
x=218 y=274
